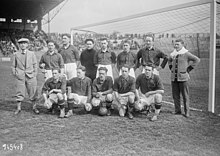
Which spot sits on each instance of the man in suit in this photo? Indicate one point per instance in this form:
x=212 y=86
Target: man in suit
x=24 y=69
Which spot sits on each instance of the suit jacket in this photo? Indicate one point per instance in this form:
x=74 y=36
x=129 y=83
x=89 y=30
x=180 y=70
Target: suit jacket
x=183 y=62
x=20 y=69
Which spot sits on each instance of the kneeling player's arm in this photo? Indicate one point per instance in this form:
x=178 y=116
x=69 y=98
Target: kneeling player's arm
x=127 y=94
x=57 y=90
x=155 y=92
x=107 y=92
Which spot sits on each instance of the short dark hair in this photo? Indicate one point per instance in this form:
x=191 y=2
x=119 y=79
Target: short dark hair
x=104 y=39
x=89 y=39
x=82 y=68
x=103 y=68
x=51 y=41
x=179 y=40
x=149 y=65
x=127 y=41
x=126 y=66
x=67 y=35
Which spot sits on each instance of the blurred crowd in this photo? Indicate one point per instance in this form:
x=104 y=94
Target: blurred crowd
x=8 y=40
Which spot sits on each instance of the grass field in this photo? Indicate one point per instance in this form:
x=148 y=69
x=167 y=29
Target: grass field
x=89 y=134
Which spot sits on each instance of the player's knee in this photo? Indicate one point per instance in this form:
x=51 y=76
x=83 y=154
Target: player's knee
x=88 y=107
x=131 y=98
x=95 y=102
x=138 y=105
x=60 y=96
x=158 y=98
x=109 y=98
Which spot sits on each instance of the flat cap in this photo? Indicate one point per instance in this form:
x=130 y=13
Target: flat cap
x=23 y=40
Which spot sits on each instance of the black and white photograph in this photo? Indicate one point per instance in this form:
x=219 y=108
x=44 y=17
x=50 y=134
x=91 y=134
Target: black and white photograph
x=110 y=78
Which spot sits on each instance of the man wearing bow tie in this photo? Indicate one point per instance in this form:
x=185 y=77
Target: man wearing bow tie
x=24 y=69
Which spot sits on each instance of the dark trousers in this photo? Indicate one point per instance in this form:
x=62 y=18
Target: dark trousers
x=180 y=88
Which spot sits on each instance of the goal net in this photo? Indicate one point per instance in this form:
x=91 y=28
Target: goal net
x=190 y=23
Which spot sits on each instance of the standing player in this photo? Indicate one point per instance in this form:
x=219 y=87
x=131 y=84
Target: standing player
x=150 y=54
x=151 y=90
x=87 y=59
x=124 y=90
x=102 y=91
x=126 y=57
x=24 y=69
x=70 y=56
x=53 y=92
x=51 y=60
x=105 y=58
x=80 y=95
x=180 y=68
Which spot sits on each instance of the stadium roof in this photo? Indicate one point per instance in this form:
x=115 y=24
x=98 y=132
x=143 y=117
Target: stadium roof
x=29 y=9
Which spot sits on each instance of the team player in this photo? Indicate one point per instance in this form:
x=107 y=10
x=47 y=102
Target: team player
x=53 y=92
x=102 y=91
x=105 y=58
x=124 y=91
x=70 y=56
x=149 y=90
x=79 y=97
x=51 y=60
x=150 y=54
x=126 y=57
x=87 y=59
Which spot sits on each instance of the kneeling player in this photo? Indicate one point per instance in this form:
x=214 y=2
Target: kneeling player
x=151 y=90
x=53 y=91
x=102 y=92
x=124 y=89
x=80 y=95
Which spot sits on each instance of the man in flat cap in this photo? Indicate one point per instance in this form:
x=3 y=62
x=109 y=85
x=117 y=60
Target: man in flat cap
x=24 y=69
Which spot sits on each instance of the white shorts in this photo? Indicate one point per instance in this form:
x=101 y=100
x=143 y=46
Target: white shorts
x=145 y=101
x=77 y=99
x=104 y=98
x=70 y=70
x=109 y=73
x=53 y=98
x=131 y=73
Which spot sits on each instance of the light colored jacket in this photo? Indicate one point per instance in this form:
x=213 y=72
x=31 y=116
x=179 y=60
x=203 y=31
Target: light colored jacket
x=184 y=61
x=20 y=70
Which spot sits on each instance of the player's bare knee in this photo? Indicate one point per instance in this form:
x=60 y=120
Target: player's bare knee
x=158 y=98
x=60 y=96
x=138 y=106
x=95 y=102
x=131 y=98
x=109 y=98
